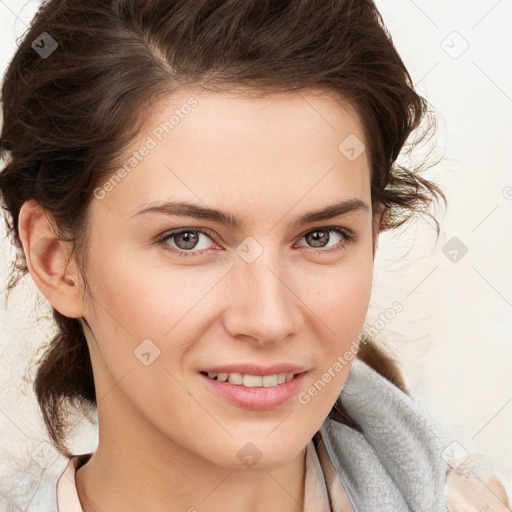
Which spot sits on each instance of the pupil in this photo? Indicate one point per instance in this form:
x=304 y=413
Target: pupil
x=189 y=238
x=317 y=236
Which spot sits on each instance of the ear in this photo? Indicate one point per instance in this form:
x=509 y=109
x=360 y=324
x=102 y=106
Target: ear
x=46 y=258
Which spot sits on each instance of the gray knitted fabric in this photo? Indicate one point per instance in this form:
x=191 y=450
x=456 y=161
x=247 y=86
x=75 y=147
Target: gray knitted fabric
x=396 y=464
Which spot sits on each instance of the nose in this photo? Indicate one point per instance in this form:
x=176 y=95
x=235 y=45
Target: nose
x=262 y=304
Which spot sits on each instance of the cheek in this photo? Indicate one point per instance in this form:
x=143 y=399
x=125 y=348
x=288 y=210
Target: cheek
x=136 y=301
x=351 y=296
x=340 y=296
x=146 y=297
x=339 y=304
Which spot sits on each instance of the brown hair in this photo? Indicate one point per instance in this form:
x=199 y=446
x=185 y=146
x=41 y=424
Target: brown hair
x=69 y=114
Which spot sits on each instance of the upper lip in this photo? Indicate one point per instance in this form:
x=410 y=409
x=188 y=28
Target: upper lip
x=254 y=369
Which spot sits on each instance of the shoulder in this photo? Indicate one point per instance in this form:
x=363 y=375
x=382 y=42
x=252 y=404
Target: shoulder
x=469 y=488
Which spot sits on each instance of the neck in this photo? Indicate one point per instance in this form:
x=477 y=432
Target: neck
x=137 y=467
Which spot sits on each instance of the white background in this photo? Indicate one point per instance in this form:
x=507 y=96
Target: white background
x=453 y=336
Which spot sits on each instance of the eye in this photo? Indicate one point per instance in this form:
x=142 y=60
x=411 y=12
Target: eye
x=321 y=237
x=185 y=239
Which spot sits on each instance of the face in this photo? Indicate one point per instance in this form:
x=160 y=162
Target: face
x=179 y=290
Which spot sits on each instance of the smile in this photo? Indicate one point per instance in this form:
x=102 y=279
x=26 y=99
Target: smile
x=252 y=381
x=256 y=392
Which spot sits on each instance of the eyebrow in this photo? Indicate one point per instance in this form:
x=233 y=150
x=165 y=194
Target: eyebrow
x=184 y=209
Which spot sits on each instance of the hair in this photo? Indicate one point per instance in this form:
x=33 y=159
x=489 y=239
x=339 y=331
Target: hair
x=68 y=117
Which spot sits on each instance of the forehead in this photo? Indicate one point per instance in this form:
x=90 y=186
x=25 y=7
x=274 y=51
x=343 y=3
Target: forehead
x=223 y=147
x=241 y=112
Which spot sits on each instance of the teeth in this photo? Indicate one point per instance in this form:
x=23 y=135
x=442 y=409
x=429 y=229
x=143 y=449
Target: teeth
x=235 y=378
x=252 y=381
x=269 y=380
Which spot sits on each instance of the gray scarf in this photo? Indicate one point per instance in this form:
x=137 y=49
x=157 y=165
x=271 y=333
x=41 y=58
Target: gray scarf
x=397 y=464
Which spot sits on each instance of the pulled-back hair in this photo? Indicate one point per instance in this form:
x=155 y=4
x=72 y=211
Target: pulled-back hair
x=68 y=115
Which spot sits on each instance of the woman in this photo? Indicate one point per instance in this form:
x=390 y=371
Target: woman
x=197 y=188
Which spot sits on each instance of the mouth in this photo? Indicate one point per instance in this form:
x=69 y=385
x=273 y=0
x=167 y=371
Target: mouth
x=252 y=381
x=254 y=392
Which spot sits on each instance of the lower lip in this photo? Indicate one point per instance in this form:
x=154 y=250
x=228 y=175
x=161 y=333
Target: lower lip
x=258 y=398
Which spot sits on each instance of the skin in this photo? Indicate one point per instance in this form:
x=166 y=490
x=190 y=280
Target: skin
x=165 y=441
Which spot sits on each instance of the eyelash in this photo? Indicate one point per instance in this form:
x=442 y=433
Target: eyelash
x=348 y=236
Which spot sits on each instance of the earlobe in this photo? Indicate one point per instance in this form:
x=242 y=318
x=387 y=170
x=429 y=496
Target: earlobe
x=46 y=258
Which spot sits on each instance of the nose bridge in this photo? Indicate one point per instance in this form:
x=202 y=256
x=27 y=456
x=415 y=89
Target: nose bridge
x=262 y=304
